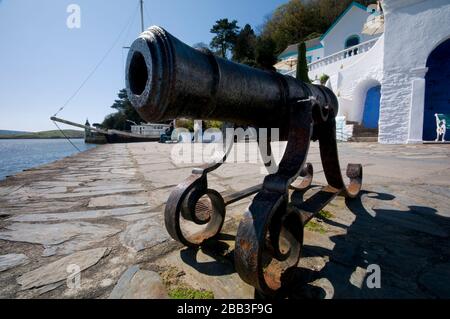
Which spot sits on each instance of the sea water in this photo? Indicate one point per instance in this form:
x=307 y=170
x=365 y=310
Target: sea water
x=20 y=154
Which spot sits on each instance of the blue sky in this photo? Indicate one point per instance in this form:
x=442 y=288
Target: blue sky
x=43 y=62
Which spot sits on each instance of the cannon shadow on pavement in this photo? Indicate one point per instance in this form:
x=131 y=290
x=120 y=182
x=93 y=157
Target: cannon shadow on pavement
x=408 y=246
x=219 y=251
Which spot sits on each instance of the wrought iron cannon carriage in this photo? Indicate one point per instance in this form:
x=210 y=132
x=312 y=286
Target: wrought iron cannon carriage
x=166 y=79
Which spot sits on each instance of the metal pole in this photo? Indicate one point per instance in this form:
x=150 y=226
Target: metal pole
x=142 y=16
x=132 y=122
x=56 y=119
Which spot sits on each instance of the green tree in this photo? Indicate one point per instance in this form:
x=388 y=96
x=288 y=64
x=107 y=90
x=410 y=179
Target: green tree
x=302 y=64
x=312 y=36
x=329 y=10
x=265 y=53
x=292 y=22
x=298 y=20
x=324 y=78
x=244 y=48
x=125 y=112
x=225 y=36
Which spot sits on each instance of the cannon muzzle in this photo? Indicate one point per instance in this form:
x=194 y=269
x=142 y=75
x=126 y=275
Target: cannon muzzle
x=167 y=79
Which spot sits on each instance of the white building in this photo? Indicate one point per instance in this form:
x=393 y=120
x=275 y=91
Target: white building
x=152 y=130
x=416 y=69
x=344 y=33
x=393 y=81
x=288 y=58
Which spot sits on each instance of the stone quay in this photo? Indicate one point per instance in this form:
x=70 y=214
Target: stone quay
x=92 y=226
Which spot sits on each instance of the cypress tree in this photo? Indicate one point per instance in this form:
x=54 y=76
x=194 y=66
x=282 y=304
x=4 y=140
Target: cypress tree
x=302 y=65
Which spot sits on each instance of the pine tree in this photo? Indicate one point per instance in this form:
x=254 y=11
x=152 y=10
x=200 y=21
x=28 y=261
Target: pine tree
x=265 y=53
x=225 y=36
x=244 y=48
x=125 y=113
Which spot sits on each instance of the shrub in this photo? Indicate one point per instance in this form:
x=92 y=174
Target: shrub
x=323 y=79
x=185 y=123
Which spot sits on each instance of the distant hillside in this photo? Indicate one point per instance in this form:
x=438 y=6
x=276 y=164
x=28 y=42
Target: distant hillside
x=44 y=134
x=8 y=132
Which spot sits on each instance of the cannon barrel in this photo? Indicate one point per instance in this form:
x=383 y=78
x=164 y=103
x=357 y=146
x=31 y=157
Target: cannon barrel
x=167 y=79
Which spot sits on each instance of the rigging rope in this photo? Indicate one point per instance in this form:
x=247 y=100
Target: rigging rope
x=127 y=27
x=62 y=132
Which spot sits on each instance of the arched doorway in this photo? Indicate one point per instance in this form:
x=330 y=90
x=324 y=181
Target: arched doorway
x=437 y=89
x=352 y=41
x=371 y=113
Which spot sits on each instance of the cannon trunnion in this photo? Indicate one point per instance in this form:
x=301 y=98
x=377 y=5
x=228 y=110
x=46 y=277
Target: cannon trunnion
x=166 y=79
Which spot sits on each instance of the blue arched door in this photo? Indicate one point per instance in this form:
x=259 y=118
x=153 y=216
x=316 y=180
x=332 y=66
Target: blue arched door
x=437 y=90
x=371 y=113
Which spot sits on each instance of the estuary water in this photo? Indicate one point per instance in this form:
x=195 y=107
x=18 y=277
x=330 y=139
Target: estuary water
x=17 y=155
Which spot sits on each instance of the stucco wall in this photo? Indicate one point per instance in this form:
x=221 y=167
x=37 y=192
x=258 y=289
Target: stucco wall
x=351 y=78
x=351 y=23
x=412 y=30
x=315 y=54
x=358 y=78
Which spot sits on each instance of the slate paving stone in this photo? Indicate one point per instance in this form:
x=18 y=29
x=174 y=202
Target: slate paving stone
x=145 y=285
x=6 y=190
x=118 y=200
x=123 y=282
x=90 y=193
x=24 y=207
x=135 y=217
x=114 y=196
x=58 y=271
x=139 y=284
x=89 y=214
x=61 y=238
x=143 y=234
x=12 y=260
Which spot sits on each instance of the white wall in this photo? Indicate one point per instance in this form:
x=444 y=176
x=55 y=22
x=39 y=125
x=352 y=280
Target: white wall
x=357 y=78
x=315 y=54
x=351 y=78
x=413 y=28
x=350 y=24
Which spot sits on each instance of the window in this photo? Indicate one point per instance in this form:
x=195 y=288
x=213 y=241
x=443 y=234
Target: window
x=351 y=41
x=309 y=59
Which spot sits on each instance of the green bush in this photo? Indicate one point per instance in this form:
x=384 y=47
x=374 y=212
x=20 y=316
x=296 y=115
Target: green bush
x=185 y=123
x=189 y=293
x=212 y=124
x=324 y=214
x=323 y=79
x=314 y=226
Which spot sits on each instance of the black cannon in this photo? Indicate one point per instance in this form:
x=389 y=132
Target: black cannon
x=166 y=79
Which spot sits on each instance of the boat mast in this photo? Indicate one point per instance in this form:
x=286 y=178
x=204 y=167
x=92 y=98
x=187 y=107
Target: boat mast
x=142 y=16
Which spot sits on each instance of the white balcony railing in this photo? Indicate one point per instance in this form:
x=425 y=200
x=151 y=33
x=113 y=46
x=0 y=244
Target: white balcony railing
x=290 y=72
x=344 y=54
